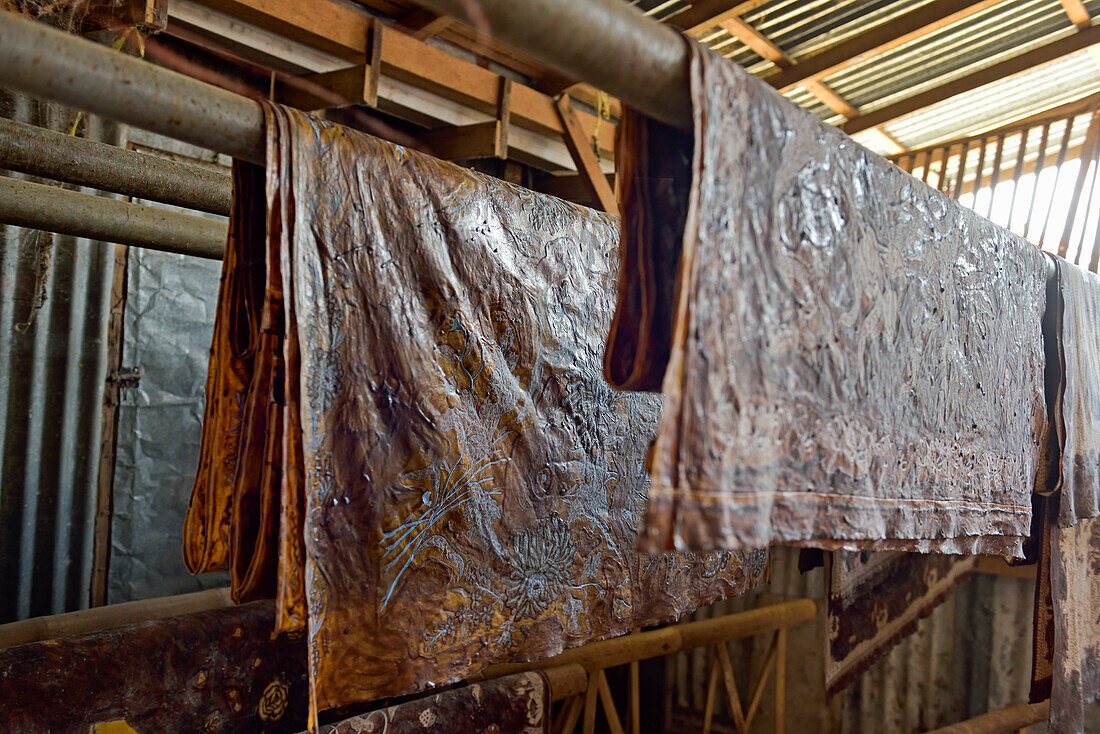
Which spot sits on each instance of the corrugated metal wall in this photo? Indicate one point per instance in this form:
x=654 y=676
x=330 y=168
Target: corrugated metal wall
x=51 y=391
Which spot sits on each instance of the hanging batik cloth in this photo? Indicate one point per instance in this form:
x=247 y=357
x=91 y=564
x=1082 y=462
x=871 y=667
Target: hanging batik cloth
x=849 y=358
x=1067 y=626
x=447 y=480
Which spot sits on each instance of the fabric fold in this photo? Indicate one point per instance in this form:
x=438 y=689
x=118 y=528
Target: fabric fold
x=855 y=359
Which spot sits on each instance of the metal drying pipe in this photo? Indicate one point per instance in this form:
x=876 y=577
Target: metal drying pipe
x=607 y=43
x=47 y=63
x=26 y=204
x=74 y=160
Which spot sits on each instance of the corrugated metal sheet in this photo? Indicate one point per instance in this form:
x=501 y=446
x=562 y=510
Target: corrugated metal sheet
x=1031 y=92
x=51 y=392
x=802 y=28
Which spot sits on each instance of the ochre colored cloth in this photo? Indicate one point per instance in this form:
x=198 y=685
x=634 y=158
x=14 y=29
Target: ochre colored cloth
x=445 y=478
x=853 y=360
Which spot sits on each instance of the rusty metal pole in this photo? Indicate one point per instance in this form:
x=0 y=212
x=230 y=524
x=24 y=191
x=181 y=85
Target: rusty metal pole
x=26 y=204
x=48 y=154
x=607 y=43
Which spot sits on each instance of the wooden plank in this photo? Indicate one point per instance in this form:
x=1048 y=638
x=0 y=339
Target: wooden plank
x=996 y=72
x=108 y=443
x=585 y=158
x=422 y=24
x=467 y=142
x=590 y=705
x=831 y=99
x=996 y=566
x=780 y=681
x=1077 y=12
x=922 y=21
x=712 y=695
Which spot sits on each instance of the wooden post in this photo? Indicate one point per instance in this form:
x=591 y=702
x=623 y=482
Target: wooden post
x=584 y=156
x=780 y=681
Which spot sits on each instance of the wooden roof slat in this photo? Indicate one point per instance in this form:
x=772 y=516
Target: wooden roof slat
x=1077 y=12
x=1037 y=57
x=755 y=40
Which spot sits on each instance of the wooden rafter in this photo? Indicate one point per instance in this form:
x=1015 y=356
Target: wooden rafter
x=766 y=48
x=1077 y=12
x=924 y=20
x=1037 y=57
x=422 y=24
x=704 y=14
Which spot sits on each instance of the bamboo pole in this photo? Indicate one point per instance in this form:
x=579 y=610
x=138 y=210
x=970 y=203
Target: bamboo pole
x=668 y=640
x=1007 y=719
x=114 y=615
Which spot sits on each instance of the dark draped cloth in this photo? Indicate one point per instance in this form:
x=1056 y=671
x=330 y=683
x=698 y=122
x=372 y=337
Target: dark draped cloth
x=214 y=671
x=408 y=438
x=849 y=358
x=518 y=704
x=874 y=600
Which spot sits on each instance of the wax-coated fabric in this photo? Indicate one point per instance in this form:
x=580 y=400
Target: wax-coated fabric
x=1077 y=405
x=472 y=486
x=213 y=671
x=855 y=359
x=517 y=703
x=875 y=600
x=445 y=478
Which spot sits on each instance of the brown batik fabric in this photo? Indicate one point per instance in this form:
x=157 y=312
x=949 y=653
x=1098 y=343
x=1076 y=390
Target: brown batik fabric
x=875 y=599
x=517 y=703
x=472 y=486
x=215 y=671
x=456 y=483
x=855 y=359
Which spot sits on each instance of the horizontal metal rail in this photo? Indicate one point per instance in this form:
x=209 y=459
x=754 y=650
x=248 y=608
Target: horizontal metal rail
x=47 y=63
x=603 y=42
x=607 y=43
x=74 y=160
x=51 y=209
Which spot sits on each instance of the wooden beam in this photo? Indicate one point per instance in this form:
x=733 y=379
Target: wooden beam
x=422 y=24
x=1023 y=62
x=756 y=40
x=466 y=142
x=1077 y=12
x=706 y=14
x=831 y=99
x=924 y=20
x=581 y=149
x=342 y=31
x=763 y=46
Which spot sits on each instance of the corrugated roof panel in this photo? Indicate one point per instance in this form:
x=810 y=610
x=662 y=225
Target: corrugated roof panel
x=801 y=28
x=1025 y=94
x=807 y=101
x=960 y=49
